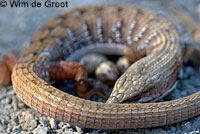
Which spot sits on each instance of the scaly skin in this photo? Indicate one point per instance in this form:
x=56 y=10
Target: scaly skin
x=160 y=59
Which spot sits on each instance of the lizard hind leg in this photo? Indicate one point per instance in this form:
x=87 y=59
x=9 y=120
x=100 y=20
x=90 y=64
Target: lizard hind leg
x=7 y=64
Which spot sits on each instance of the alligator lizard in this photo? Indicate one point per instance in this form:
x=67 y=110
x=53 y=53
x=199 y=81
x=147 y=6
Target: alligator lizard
x=109 y=30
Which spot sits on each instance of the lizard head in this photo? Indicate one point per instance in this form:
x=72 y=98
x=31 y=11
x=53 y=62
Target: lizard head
x=136 y=81
x=127 y=86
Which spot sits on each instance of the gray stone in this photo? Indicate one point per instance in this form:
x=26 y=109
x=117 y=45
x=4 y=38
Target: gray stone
x=24 y=132
x=79 y=130
x=173 y=129
x=4 y=123
x=186 y=126
x=159 y=131
x=17 y=129
x=33 y=124
x=9 y=129
x=8 y=106
x=11 y=92
x=6 y=101
x=44 y=122
x=2 y=96
x=16 y=120
x=41 y=130
x=21 y=105
x=197 y=123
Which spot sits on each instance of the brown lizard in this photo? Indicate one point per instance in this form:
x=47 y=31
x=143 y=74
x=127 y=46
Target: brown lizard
x=156 y=50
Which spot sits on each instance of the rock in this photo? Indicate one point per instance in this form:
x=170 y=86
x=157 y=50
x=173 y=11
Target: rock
x=44 y=122
x=6 y=101
x=41 y=130
x=24 y=132
x=8 y=106
x=173 y=129
x=53 y=123
x=4 y=123
x=21 y=105
x=9 y=130
x=17 y=129
x=186 y=126
x=33 y=124
x=2 y=96
x=11 y=92
x=79 y=130
x=16 y=120
x=197 y=122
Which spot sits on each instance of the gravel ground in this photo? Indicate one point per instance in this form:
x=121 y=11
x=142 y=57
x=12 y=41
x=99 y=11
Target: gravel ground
x=17 y=25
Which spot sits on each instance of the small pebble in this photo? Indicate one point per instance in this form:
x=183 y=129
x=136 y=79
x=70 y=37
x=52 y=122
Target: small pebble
x=33 y=124
x=24 y=132
x=2 y=96
x=44 y=122
x=41 y=130
x=183 y=93
x=186 y=126
x=21 y=105
x=16 y=120
x=189 y=71
x=159 y=131
x=65 y=127
x=71 y=130
x=17 y=129
x=8 y=106
x=6 y=101
x=4 y=123
x=11 y=92
x=27 y=115
x=79 y=130
x=173 y=129
x=68 y=125
x=53 y=123
x=9 y=129
x=14 y=104
x=197 y=122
